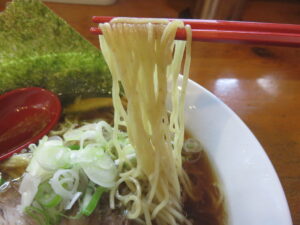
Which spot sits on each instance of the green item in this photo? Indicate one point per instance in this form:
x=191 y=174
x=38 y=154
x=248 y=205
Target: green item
x=37 y=48
x=2 y=180
x=74 y=147
x=43 y=216
x=46 y=196
x=90 y=200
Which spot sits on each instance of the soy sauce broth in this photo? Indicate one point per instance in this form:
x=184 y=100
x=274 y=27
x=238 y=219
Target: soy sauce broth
x=209 y=208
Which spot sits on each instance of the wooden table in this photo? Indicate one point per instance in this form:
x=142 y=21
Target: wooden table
x=260 y=83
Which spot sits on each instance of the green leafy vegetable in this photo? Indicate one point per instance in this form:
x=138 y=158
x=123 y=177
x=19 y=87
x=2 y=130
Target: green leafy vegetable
x=37 y=48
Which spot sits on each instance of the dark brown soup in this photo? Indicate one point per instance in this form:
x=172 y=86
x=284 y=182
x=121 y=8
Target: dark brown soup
x=209 y=206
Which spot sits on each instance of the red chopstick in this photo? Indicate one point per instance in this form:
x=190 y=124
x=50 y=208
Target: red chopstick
x=233 y=31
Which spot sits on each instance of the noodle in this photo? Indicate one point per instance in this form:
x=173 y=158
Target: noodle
x=142 y=56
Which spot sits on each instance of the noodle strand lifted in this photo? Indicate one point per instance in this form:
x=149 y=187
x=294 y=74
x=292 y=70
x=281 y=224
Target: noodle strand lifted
x=143 y=58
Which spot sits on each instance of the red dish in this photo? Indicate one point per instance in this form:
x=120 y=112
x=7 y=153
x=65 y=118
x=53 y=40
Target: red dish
x=26 y=115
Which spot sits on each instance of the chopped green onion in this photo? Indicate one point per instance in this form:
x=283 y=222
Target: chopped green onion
x=43 y=216
x=46 y=196
x=91 y=201
x=192 y=145
x=74 y=147
x=36 y=214
x=2 y=180
x=71 y=172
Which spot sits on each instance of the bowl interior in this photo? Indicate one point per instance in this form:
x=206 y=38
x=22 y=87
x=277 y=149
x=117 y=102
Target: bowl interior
x=254 y=195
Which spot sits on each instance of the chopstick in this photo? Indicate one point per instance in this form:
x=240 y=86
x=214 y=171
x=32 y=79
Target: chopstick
x=232 y=31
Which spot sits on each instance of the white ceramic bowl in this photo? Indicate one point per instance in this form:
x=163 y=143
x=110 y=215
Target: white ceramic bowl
x=252 y=189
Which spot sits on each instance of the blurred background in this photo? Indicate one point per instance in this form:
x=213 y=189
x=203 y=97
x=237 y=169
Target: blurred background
x=260 y=83
x=79 y=12
x=280 y=11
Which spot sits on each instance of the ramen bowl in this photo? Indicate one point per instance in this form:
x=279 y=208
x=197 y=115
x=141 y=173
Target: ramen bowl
x=253 y=193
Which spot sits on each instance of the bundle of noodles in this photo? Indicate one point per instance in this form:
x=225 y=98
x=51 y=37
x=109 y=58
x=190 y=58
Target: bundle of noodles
x=143 y=56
